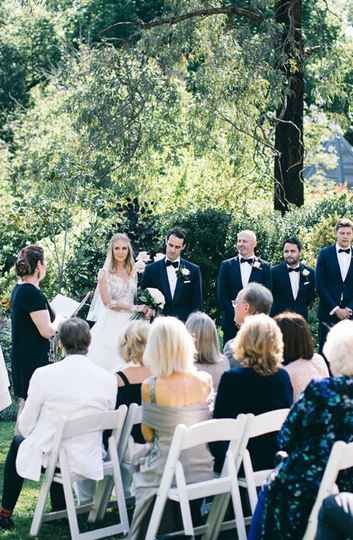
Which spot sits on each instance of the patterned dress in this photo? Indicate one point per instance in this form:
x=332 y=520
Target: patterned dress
x=323 y=415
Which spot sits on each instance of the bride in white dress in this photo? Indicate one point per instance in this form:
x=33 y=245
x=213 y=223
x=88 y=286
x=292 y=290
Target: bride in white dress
x=113 y=303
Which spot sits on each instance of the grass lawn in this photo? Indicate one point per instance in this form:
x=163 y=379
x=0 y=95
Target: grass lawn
x=58 y=530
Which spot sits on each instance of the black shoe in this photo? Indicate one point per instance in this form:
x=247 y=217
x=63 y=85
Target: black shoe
x=6 y=523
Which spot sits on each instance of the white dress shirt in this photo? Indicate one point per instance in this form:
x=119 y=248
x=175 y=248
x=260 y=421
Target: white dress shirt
x=344 y=261
x=294 y=278
x=245 y=270
x=172 y=276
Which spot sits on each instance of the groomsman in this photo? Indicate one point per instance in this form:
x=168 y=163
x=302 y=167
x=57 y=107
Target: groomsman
x=293 y=282
x=334 y=279
x=179 y=280
x=235 y=274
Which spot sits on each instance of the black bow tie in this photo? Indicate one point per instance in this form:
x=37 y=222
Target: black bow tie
x=294 y=269
x=171 y=263
x=344 y=251
x=249 y=261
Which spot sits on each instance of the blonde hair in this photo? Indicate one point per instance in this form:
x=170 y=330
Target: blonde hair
x=338 y=348
x=133 y=342
x=259 y=344
x=203 y=330
x=129 y=262
x=170 y=348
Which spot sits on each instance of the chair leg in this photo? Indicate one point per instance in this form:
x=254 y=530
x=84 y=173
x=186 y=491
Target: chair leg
x=120 y=495
x=238 y=511
x=103 y=493
x=69 y=498
x=39 y=511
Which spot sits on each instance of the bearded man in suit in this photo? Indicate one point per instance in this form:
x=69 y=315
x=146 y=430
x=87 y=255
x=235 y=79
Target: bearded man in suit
x=235 y=274
x=178 y=279
x=293 y=282
x=334 y=278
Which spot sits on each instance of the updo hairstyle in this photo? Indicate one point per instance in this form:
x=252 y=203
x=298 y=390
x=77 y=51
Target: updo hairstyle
x=27 y=260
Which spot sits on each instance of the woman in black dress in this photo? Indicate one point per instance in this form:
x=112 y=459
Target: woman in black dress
x=130 y=378
x=32 y=319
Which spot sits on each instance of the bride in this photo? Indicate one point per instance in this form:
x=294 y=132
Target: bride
x=113 y=303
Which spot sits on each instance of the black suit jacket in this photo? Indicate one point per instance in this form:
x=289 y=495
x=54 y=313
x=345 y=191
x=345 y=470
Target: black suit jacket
x=229 y=284
x=282 y=291
x=188 y=292
x=242 y=390
x=332 y=290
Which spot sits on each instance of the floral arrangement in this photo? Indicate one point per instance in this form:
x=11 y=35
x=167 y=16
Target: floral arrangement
x=141 y=260
x=152 y=299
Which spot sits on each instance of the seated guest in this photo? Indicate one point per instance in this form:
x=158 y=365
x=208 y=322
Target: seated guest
x=71 y=388
x=300 y=361
x=175 y=394
x=130 y=379
x=208 y=356
x=258 y=386
x=336 y=518
x=322 y=415
x=253 y=299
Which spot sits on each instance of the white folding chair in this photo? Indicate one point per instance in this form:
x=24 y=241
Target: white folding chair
x=341 y=457
x=226 y=429
x=105 y=488
x=112 y=420
x=260 y=425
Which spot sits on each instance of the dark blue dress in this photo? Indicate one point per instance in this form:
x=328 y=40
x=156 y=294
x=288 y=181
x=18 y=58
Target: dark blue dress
x=323 y=415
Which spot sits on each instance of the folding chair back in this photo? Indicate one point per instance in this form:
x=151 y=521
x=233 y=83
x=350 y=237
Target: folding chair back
x=234 y=431
x=341 y=457
x=112 y=420
x=133 y=417
x=261 y=424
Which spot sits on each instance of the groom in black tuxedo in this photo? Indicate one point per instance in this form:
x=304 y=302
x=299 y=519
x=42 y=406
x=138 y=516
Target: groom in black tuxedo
x=293 y=282
x=234 y=274
x=334 y=279
x=179 y=280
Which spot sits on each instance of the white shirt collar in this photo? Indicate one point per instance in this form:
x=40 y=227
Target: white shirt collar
x=339 y=247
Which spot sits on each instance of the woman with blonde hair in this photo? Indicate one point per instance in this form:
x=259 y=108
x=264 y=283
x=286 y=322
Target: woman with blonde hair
x=208 y=356
x=113 y=303
x=175 y=394
x=131 y=377
x=258 y=386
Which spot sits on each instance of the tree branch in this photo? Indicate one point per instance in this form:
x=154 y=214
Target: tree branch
x=251 y=14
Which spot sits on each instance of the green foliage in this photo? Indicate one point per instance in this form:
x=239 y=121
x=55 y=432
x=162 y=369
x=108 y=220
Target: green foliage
x=12 y=78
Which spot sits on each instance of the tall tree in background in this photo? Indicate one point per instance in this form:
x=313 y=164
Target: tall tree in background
x=289 y=144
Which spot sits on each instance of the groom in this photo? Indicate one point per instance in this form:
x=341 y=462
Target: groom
x=179 y=280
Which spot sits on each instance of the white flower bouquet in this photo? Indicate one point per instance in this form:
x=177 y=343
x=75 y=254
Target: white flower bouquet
x=152 y=299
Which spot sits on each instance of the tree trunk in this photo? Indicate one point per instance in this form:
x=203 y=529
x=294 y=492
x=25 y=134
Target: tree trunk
x=289 y=187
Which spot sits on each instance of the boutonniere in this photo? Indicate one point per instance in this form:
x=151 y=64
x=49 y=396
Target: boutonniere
x=183 y=273
x=257 y=264
x=305 y=272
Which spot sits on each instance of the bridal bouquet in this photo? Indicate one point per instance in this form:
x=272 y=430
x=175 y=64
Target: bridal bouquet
x=151 y=298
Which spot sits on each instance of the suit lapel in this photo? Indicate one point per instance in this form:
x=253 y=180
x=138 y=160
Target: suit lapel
x=179 y=283
x=287 y=282
x=236 y=274
x=350 y=271
x=336 y=264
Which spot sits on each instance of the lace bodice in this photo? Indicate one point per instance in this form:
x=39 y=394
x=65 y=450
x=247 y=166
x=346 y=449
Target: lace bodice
x=121 y=290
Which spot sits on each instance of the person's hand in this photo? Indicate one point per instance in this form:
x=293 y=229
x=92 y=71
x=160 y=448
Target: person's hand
x=149 y=313
x=343 y=313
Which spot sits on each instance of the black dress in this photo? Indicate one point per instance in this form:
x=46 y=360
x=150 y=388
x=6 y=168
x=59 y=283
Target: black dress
x=29 y=349
x=127 y=394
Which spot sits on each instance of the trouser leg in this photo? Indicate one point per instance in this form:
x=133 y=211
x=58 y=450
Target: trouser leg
x=13 y=482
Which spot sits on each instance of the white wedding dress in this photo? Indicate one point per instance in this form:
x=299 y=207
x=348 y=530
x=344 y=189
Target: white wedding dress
x=110 y=325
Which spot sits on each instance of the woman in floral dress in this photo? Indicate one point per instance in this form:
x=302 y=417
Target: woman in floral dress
x=323 y=415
